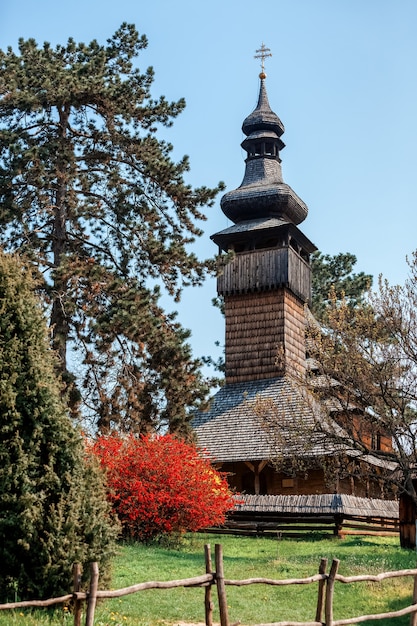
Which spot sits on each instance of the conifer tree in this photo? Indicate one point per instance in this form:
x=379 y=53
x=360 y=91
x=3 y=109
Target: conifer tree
x=91 y=194
x=53 y=509
x=334 y=274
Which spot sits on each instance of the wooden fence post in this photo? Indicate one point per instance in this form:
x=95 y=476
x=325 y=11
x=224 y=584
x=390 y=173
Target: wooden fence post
x=92 y=595
x=328 y=609
x=322 y=586
x=76 y=576
x=413 y=616
x=221 y=587
x=208 y=603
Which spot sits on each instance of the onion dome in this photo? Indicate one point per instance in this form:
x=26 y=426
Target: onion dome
x=263 y=193
x=263 y=118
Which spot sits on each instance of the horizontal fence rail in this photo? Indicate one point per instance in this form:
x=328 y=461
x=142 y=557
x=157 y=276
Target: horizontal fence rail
x=325 y=595
x=258 y=523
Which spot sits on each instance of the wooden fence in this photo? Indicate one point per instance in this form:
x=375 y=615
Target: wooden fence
x=325 y=595
x=293 y=527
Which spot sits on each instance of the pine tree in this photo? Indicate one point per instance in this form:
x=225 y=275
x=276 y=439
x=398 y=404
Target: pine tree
x=53 y=509
x=90 y=193
x=335 y=274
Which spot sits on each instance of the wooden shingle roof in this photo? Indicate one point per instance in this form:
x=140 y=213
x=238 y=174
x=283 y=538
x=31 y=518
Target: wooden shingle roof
x=319 y=504
x=232 y=430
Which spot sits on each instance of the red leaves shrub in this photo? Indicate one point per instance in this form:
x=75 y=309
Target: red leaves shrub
x=161 y=485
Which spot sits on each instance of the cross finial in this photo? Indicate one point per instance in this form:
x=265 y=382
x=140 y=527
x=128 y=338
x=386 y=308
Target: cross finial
x=262 y=54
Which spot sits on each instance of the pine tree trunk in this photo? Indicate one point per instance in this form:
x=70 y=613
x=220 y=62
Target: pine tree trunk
x=59 y=320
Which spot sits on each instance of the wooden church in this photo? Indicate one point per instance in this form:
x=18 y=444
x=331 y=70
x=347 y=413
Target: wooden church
x=266 y=288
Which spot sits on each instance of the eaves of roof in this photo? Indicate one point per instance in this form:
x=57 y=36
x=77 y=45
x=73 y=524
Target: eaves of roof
x=318 y=504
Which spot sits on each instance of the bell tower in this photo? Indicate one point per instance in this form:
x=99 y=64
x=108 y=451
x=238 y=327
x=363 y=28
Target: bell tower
x=261 y=414
x=268 y=281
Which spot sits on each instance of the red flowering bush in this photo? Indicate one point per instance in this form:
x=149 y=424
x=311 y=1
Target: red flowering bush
x=161 y=485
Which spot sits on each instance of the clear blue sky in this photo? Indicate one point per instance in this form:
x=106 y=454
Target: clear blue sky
x=342 y=78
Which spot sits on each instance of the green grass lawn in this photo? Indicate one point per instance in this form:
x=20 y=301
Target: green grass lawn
x=247 y=557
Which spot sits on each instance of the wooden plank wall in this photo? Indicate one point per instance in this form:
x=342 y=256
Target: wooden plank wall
x=259 y=270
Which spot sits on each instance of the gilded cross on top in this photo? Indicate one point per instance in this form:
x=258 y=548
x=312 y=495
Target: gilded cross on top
x=262 y=54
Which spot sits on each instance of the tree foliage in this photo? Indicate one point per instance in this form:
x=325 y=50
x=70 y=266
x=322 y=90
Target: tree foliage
x=92 y=196
x=53 y=509
x=335 y=274
x=366 y=371
x=161 y=485
x=358 y=421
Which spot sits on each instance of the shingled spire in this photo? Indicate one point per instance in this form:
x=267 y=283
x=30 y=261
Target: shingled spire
x=263 y=192
x=268 y=282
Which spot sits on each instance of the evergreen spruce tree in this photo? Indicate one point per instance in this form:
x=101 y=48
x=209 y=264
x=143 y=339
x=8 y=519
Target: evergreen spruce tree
x=53 y=509
x=93 y=197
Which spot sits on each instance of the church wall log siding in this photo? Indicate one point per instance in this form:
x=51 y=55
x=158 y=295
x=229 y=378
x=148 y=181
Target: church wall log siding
x=314 y=483
x=279 y=483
